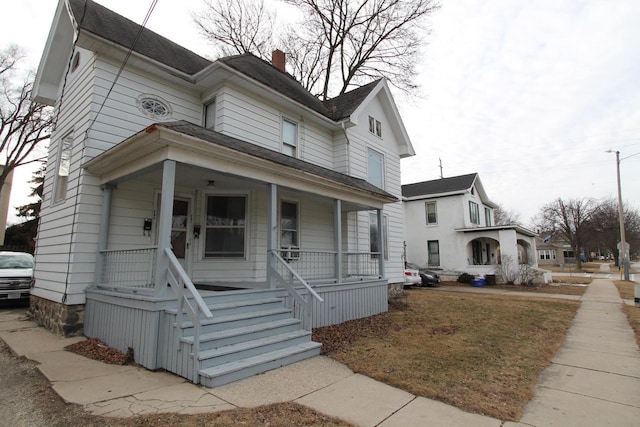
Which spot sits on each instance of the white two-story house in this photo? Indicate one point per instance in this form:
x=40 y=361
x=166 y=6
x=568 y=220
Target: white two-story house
x=450 y=225
x=207 y=214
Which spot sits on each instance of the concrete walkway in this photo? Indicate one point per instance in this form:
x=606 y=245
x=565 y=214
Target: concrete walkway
x=594 y=380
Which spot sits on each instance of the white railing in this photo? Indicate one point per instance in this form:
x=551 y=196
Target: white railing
x=310 y=265
x=360 y=264
x=128 y=269
x=294 y=279
x=184 y=288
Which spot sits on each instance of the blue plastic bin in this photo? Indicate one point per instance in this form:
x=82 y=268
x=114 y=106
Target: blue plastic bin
x=478 y=282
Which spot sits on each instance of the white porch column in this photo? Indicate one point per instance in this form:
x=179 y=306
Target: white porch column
x=164 y=224
x=382 y=243
x=103 y=236
x=337 y=230
x=272 y=228
x=508 y=246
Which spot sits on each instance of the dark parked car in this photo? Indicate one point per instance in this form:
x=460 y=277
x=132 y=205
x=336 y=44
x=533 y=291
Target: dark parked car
x=429 y=277
x=16 y=276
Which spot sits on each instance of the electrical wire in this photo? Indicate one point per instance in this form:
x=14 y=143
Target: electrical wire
x=124 y=63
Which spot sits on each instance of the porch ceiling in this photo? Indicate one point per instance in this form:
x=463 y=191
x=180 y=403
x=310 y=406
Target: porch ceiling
x=218 y=157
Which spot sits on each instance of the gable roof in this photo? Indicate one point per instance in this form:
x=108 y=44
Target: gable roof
x=453 y=184
x=342 y=106
x=107 y=24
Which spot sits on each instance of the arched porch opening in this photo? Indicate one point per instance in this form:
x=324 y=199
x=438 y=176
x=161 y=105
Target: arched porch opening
x=483 y=251
x=525 y=254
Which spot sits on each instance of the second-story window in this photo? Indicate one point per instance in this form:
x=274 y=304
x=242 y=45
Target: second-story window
x=375 y=172
x=474 y=213
x=375 y=126
x=289 y=137
x=210 y=115
x=487 y=217
x=431 y=212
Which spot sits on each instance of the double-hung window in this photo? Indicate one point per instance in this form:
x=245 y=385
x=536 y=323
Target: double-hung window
x=225 y=227
x=289 y=137
x=487 y=217
x=374 y=245
x=431 y=212
x=433 y=253
x=64 y=167
x=474 y=213
x=375 y=168
x=288 y=224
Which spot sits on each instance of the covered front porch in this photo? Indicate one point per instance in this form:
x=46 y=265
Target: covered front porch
x=488 y=248
x=201 y=234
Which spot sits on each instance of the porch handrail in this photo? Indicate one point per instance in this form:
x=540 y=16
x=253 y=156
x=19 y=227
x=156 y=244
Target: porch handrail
x=184 y=288
x=306 y=305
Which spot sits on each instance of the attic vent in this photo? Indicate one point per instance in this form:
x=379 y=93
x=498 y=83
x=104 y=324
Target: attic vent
x=153 y=106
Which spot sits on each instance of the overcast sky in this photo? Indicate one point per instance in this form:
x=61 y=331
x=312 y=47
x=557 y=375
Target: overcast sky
x=529 y=94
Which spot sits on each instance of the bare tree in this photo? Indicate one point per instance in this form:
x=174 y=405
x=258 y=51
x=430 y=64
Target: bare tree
x=605 y=227
x=237 y=26
x=505 y=217
x=24 y=124
x=355 y=40
x=570 y=219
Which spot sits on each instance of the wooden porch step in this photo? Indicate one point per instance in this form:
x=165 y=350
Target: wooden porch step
x=237 y=320
x=236 y=307
x=244 y=368
x=232 y=336
x=251 y=348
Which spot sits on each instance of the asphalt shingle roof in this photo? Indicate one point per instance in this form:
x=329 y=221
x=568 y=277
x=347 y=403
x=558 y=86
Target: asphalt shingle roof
x=220 y=139
x=107 y=24
x=439 y=186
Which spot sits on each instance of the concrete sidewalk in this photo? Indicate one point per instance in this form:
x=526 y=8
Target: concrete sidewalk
x=594 y=380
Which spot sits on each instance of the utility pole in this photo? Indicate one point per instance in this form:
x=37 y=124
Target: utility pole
x=441 y=176
x=624 y=253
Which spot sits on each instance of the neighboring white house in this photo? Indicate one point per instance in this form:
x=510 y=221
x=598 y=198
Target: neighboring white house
x=450 y=225
x=169 y=170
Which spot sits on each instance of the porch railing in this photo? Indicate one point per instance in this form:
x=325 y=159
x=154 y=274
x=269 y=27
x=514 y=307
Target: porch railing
x=360 y=264
x=190 y=303
x=294 y=279
x=321 y=265
x=128 y=269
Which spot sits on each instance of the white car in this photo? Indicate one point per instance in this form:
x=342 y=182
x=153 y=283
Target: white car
x=16 y=276
x=412 y=277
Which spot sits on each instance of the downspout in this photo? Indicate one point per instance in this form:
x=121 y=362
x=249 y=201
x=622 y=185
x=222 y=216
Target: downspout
x=346 y=137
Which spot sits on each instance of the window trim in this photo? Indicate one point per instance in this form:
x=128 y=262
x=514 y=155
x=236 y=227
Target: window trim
x=159 y=100
x=426 y=209
x=246 y=227
x=60 y=194
x=280 y=229
x=429 y=253
x=373 y=218
x=487 y=216
x=474 y=212
x=382 y=167
x=295 y=147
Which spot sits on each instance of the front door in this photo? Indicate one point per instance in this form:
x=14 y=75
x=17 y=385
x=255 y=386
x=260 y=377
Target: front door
x=180 y=230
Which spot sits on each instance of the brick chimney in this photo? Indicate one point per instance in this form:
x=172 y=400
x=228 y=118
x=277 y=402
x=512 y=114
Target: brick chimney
x=278 y=59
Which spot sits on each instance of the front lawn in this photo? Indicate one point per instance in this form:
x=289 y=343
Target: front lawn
x=627 y=291
x=481 y=353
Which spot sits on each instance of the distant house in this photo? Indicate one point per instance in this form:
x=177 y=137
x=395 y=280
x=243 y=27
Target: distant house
x=450 y=225
x=208 y=214
x=553 y=250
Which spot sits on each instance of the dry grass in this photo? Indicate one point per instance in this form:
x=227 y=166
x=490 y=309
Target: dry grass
x=481 y=353
x=276 y=415
x=627 y=291
x=560 y=286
